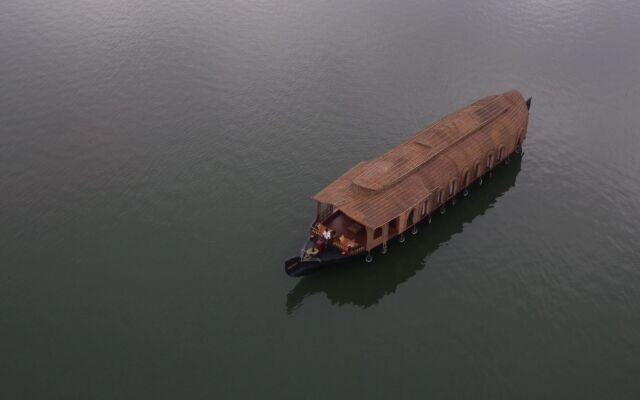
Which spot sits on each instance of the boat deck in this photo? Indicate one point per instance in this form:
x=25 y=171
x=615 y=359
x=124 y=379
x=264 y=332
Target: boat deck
x=351 y=230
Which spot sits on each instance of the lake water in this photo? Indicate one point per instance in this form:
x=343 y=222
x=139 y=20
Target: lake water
x=157 y=162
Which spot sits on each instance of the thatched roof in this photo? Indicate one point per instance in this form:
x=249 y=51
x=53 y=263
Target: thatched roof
x=378 y=190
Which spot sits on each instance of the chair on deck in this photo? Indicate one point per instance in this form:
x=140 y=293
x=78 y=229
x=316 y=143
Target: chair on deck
x=345 y=244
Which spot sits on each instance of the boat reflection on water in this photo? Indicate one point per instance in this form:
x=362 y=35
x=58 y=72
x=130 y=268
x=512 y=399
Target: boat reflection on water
x=363 y=284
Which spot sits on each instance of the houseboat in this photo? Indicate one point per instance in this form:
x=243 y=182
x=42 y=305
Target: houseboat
x=380 y=199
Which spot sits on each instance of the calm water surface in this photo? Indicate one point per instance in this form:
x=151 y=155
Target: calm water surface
x=157 y=161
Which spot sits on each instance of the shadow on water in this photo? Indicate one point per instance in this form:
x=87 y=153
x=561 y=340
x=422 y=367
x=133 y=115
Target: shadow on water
x=364 y=284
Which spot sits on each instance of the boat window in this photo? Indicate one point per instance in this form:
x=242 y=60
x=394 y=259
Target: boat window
x=452 y=187
x=500 y=153
x=489 y=160
x=424 y=208
x=439 y=196
x=377 y=233
x=393 y=225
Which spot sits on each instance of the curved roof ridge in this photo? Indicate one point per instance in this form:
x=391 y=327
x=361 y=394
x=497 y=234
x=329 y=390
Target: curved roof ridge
x=391 y=167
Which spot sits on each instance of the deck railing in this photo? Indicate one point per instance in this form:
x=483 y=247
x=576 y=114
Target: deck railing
x=345 y=248
x=316 y=231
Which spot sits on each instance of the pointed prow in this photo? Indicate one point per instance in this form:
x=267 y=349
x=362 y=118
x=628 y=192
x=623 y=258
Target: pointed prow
x=528 y=102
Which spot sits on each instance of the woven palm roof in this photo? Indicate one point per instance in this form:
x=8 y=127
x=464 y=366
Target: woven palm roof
x=376 y=191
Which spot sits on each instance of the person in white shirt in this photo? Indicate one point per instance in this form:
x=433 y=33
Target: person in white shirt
x=326 y=235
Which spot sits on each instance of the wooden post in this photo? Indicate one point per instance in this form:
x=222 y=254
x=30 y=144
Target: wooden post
x=370 y=243
x=402 y=223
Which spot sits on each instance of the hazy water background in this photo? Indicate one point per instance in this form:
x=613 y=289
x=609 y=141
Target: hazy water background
x=157 y=161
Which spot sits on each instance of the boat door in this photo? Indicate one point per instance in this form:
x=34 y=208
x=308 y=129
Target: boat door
x=393 y=227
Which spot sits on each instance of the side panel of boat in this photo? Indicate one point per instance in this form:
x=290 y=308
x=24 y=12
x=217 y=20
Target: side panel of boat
x=296 y=267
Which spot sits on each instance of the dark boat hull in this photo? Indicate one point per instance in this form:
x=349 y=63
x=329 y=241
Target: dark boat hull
x=296 y=266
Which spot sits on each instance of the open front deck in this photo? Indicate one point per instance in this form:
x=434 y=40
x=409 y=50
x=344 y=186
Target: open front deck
x=347 y=235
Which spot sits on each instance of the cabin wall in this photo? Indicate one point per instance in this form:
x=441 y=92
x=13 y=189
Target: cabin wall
x=403 y=219
x=372 y=241
x=403 y=225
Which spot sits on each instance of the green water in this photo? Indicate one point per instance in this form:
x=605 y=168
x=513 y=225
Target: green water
x=157 y=162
